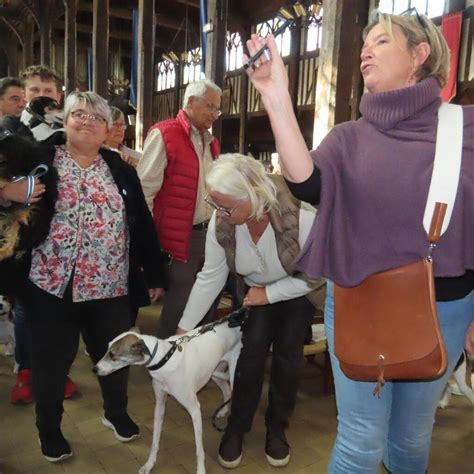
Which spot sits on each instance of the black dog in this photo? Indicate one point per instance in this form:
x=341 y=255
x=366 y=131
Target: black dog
x=22 y=227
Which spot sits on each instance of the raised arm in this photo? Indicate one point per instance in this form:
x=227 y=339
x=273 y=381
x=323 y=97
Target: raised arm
x=270 y=78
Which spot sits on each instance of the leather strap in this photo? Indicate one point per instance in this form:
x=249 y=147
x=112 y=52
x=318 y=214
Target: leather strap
x=439 y=214
x=447 y=164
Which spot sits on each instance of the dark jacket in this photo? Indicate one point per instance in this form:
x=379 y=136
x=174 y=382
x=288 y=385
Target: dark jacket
x=147 y=264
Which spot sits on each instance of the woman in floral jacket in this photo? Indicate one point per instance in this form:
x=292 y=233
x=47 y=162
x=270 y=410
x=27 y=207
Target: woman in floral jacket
x=92 y=267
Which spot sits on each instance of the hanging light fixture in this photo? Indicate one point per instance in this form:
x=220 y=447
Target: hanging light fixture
x=187 y=57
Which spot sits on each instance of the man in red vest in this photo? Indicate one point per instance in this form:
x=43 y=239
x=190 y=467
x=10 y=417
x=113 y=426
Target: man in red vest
x=172 y=171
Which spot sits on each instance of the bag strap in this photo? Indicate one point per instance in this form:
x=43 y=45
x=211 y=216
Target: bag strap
x=446 y=167
x=436 y=225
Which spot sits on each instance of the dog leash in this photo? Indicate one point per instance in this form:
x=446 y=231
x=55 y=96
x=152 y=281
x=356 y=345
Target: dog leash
x=36 y=172
x=234 y=319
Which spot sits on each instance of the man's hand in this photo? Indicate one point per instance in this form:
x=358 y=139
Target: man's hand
x=256 y=296
x=180 y=332
x=155 y=294
x=16 y=192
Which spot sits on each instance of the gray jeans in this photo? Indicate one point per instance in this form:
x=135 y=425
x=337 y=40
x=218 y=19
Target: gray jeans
x=181 y=280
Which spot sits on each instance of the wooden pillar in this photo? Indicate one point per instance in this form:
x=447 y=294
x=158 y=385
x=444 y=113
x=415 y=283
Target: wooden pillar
x=215 y=62
x=146 y=68
x=100 y=47
x=244 y=94
x=28 y=42
x=11 y=50
x=338 y=70
x=293 y=65
x=46 y=36
x=177 y=102
x=70 y=49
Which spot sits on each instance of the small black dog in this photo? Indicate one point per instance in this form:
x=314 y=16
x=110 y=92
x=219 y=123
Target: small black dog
x=22 y=226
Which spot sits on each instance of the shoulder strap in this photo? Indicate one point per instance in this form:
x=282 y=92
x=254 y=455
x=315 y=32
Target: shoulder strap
x=447 y=164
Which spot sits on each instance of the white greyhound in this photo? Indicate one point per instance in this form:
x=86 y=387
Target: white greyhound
x=180 y=366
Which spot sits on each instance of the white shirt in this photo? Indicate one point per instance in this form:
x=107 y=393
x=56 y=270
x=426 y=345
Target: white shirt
x=257 y=263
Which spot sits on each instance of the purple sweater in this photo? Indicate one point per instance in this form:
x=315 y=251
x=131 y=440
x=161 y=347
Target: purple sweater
x=375 y=176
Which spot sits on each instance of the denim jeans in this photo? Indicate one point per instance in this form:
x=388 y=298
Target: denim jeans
x=396 y=427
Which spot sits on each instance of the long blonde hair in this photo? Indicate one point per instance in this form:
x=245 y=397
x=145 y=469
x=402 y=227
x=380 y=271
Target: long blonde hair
x=418 y=30
x=243 y=178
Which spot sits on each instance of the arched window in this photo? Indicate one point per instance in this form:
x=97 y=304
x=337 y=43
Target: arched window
x=192 y=67
x=165 y=75
x=234 y=51
x=283 y=41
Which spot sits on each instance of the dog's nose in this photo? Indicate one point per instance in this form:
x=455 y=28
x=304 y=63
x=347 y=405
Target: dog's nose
x=95 y=369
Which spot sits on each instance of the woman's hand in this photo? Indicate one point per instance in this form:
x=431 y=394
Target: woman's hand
x=469 y=341
x=16 y=192
x=155 y=294
x=268 y=73
x=180 y=332
x=256 y=296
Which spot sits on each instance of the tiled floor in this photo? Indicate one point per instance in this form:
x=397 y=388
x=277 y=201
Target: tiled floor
x=96 y=450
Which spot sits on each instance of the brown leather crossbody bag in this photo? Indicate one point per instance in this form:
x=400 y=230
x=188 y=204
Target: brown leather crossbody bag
x=387 y=327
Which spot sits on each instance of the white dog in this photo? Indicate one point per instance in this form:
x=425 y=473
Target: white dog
x=464 y=379
x=7 y=333
x=180 y=366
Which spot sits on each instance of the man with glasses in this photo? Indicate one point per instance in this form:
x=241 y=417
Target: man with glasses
x=172 y=171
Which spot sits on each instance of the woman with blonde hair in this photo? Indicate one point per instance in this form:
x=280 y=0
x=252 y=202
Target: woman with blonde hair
x=255 y=232
x=370 y=180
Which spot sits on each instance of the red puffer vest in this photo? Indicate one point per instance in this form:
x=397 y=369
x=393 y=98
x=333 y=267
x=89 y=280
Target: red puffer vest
x=174 y=204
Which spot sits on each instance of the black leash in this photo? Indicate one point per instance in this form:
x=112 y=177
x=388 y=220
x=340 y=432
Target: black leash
x=234 y=319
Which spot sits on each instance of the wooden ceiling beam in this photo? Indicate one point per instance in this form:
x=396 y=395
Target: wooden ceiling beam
x=126 y=14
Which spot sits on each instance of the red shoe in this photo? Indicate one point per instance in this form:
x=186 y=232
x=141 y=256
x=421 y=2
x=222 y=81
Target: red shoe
x=22 y=392
x=70 y=388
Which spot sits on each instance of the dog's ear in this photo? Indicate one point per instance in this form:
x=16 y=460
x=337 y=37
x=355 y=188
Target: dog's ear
x=135 y=329
x=139 y=348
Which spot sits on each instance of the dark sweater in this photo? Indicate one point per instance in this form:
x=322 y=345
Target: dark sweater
x=375 y=176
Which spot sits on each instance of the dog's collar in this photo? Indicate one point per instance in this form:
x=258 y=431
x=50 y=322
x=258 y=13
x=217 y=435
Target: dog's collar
x=165 y=359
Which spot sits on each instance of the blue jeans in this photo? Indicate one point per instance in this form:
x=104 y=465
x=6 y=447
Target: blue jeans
x=396 y=427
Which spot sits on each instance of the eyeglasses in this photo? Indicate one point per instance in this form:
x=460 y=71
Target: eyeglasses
x=119 y=125
x=223 y=210
x=413 y=11
x=211 y=107
x=81 y=116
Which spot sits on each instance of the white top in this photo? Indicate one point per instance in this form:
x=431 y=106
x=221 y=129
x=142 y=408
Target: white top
x=258 y=263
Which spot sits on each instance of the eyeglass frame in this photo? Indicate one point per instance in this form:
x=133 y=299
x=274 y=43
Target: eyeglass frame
x=210 y=106
x=122 y=126
x=223 y=210
x=412 y=10
x=95 y=119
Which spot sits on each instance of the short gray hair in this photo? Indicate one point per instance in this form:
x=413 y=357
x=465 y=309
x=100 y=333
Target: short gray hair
x=91 y=102
x=243 y=178
x=198 y=89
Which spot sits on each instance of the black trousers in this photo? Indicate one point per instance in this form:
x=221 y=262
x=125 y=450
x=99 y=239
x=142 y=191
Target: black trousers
x=55 y=325
x=284 y=325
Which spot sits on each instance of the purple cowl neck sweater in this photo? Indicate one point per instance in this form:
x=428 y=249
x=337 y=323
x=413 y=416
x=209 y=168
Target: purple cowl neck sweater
x=375 y=176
